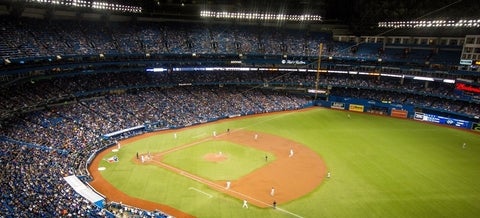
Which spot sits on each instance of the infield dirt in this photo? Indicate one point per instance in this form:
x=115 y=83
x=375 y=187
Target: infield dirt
x=291 y=177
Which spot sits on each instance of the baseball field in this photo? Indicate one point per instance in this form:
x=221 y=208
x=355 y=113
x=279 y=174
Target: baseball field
x=379 y=167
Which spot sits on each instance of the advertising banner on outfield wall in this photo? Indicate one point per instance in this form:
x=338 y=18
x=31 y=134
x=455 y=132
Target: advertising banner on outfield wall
x=442 y=120
x=338 y=105
x=476 y=127
x=356 y=107
x=399 y=113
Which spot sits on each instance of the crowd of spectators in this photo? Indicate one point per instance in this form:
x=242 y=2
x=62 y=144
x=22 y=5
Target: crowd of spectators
x=123 y=211
x=51 y=125
x=32 y=184
x=36 y=93
x=26 y=38
x=41 y=147
x=67 y=134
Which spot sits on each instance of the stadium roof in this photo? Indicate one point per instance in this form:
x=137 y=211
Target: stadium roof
x=360 y=15
x=349 y=10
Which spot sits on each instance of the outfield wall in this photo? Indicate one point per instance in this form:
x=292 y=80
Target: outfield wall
x=385 y=108
x=476 y=127
x=364 y=105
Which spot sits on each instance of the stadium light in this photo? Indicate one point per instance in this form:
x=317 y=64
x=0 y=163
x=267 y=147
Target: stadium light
x=92 y=4
x=449 y=81
x=423 y=78
x=430 y=23
x=259 y=16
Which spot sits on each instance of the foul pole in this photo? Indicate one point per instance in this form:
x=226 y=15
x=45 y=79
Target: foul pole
x=320 y=48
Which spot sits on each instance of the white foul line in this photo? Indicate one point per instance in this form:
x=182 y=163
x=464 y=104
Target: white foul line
x=198 y=190
x=212 y=184
x=209 y=183
x=286 y=211
x=198 y=136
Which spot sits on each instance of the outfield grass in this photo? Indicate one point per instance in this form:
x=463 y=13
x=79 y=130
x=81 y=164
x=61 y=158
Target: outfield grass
x=381 y=167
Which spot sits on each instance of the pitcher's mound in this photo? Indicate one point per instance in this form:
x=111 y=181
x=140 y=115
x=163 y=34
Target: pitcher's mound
x=215 y=157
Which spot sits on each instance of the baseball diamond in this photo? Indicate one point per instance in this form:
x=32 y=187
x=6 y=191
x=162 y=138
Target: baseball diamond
x=298 y=178
x=239 y=108
x=292 y=177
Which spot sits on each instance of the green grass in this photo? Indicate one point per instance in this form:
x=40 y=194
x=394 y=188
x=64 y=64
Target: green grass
x=381 y=167
x=239 y=162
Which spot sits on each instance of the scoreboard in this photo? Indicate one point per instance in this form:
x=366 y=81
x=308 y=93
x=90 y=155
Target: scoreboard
x=442 y=120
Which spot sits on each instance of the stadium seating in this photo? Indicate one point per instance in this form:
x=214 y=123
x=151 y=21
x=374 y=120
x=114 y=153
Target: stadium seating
x=51 y=123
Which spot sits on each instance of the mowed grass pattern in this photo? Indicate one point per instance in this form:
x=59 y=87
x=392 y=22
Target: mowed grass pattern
x=380 y=166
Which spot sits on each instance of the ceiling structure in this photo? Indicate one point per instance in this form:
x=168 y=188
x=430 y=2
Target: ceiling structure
x=347 y=10
x=359 y=15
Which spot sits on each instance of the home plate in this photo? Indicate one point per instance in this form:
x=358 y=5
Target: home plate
x=101 y=168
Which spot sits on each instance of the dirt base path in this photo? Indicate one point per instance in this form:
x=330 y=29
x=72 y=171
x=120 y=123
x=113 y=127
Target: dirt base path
x=291 y=177
x=113 y=194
